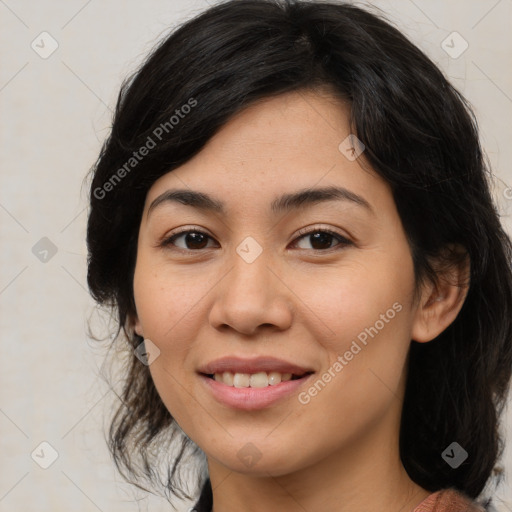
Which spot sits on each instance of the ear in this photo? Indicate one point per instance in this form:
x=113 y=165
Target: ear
x=440 y=302
x=135 y=324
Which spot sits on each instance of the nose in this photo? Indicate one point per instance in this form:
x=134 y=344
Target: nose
x=252 y=296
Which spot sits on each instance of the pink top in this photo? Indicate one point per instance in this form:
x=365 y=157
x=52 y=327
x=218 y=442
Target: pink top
x=448 y=500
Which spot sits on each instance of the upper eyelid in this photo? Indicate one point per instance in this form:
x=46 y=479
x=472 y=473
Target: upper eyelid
x=300 y=234
x=313 y=229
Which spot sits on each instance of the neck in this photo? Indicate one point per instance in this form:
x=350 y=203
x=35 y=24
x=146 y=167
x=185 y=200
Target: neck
x=366 y=474
x=325 y=492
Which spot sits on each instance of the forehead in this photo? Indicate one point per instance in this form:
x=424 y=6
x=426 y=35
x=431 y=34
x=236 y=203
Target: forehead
x=276 y=146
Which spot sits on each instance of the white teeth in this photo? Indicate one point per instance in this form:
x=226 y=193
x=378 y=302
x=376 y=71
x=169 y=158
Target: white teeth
x=275 y=378
x=258 y=380
x=254 y=380
x=241 y=380
x=226 y=377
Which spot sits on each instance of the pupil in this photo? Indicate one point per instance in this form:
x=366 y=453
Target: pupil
x=324 y=239
x=192 y=238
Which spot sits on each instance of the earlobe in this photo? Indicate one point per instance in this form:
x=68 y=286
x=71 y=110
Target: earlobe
x=440 y=304
x=137 y=327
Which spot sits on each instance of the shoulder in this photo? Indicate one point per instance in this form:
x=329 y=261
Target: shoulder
x=205 y=501
x=448 y=500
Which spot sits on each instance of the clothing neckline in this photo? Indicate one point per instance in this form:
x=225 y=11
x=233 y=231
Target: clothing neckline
x=446 y=499
x=429 y=504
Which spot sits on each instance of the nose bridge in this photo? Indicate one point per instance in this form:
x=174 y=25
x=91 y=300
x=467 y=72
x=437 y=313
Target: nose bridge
x=251 y=294
x=250 y=273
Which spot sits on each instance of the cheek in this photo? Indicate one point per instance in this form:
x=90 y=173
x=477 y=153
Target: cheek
x=369 y=312
x=166 y=304
x=166 y=299
x=363 y=322
x=358 y=299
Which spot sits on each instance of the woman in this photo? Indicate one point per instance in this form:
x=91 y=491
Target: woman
x=367 y=373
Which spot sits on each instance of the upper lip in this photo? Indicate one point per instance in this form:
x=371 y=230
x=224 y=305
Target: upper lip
x=235 y=364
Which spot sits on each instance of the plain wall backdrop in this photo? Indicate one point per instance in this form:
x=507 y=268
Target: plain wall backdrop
x=56 y=106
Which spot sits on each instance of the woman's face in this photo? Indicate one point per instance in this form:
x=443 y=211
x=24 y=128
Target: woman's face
x=261 y=278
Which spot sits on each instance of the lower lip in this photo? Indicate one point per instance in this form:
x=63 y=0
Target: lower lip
x=250 y=399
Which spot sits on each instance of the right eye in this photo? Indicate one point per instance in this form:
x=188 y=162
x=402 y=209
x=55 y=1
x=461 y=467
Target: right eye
x=191 y=237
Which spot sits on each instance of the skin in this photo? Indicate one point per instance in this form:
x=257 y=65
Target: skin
x=295 y=301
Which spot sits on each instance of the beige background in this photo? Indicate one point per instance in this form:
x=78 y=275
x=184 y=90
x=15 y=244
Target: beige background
x=55 y=112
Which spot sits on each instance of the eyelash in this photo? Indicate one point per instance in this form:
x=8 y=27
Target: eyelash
x=343 y=242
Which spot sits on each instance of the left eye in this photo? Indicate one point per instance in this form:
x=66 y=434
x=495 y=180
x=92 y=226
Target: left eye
x=320 y=239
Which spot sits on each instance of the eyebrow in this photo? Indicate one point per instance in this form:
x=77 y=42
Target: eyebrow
x=284 y=203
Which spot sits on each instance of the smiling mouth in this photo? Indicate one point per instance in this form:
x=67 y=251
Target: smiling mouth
x=254 y=380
